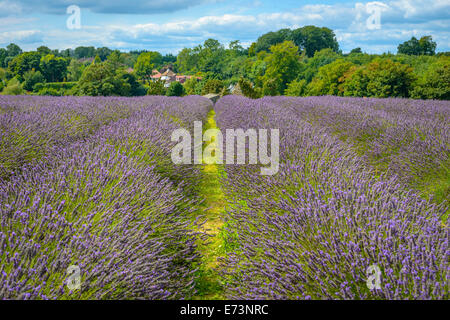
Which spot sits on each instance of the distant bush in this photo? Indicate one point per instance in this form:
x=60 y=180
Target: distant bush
x=213 y=86
x=190 y=86
x=247 y=89
x=156 y=88
x=31 y=78
x=424 y=46
x=330 y=79
x=13 y=87
x=37 y=87
x=55 y=88
x=136 y=88
x=381 y=78
x=13 y=90
x=175 y=89
x=296 y=88
x=2 y=74
x=49 y=92
x=101 y=79
x=435 y=82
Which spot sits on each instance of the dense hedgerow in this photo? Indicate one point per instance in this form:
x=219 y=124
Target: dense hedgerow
x=106 y=203
x=312 y=230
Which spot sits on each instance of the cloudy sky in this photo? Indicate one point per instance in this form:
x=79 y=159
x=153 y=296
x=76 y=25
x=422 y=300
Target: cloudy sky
x=169 y=25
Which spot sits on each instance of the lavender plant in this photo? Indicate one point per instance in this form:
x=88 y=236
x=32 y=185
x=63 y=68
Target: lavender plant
x=408 y=138
x=312 y=231
x=101 y=203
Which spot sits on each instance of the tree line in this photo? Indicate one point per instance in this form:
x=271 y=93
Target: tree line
x=305 y=61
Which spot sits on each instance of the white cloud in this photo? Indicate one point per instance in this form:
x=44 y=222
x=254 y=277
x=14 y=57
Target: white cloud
x=349 y=23
x=22 y=36
x=8 y=8
x=400 y=19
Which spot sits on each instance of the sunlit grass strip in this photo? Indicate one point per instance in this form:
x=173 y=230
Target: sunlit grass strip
x=209 y=284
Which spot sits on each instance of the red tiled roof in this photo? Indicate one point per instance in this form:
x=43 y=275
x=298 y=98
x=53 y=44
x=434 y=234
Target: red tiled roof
x=169 y=73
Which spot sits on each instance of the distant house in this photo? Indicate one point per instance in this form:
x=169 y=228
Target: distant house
x=156 y=75
x=182 y=79
x=168 y=76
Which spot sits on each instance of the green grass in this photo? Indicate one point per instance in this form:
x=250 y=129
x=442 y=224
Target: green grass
x=209 y=284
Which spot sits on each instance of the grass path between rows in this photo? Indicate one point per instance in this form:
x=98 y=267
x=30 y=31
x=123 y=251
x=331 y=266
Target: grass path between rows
x=209 y=285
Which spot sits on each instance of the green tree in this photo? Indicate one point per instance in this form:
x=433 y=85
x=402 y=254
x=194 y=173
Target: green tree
x=2 y=74
x=116 y=59
x=128 y=79
x=3 y=56
x=187 y=61
x=175 y=89
x=213 y=86
x=31 y=78
x=435 y=83
x=272 y=87
x=103 y=53
x=43 y=50
x=296 y=88
x=101 y=80
x=84 y=52
x=428 y=45
x=211 y=57
x=313 y=39
x=74 y=70
x=24 y=62
x=145 y=63
x=13 y=87
x=356 y=85
x=252 y=50
x=256 y=68
x=360 y=58
x=330 y=79
x=156 y=88
x=190 y=86
x=312 y=65
x=247 y=89
x=269 y=39
x=283 y=66
x=13 y=50
x=53 y=68
x=356 y=50
x=381 y=78
x=212 y=45
x=424 y=46
x=97 y=60
x=167 y=59
x=236 y=47
x=234 y=67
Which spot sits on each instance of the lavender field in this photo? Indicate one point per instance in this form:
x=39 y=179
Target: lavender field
x=89 y=181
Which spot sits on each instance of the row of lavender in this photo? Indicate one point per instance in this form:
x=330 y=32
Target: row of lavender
x=31 y=126
x=104 y=198
x=313 y=230
x=408 y=138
